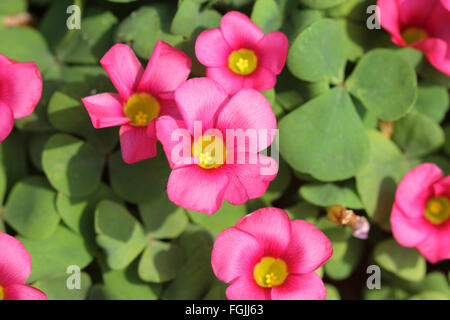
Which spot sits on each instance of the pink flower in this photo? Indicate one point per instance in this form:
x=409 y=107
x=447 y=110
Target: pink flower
x=213 y=168
x=266 y=256
x=238 y=55
x=421 y=214
x=20 y=92
x=15 y=268
x=143 y=96
x=420 y=24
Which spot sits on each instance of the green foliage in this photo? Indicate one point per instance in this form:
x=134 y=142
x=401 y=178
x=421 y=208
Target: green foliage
x=266 y=14
x=55 y=287
x=72 y=166
x=54 y=254
x=341 y=148
x=385 y=83
x=329 y=194
x=405 y=263
x=141 y=181
x=119 y=234
x=377 y=181
x=31 y=209
x=319 y=53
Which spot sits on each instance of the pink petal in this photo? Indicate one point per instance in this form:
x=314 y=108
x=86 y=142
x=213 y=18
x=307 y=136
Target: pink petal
x=245 y=288
x=23 y=292
x=173 y=133
x=437 y=52
x=239 y=31
x=416 y=12
x=388 y=15
x=436 y=246
x=167 y=69
x=138 y=143
x=4 y=61
x=300 y=287
x=437 y=24
x=105 y=110
x=308 y=250
x=272 y=51
x=168 y=106
x=6 y=121
x=409 y=232
x=235 y=254
x=250 y=180
x=416 y=188
x=198 y=189
x=251 y=112
x=236 y=193
x=261 y=79
x=211 y=48
x=15 y=261
x=21 y=87
x=230 y=81
x=446 y=4
x=442 y=187
x=439 y=27
x=123 y=68
x=271 y=227
x=199 y=99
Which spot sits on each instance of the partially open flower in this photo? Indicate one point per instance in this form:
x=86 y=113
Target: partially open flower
x=238 y=55
x=421 y=214
x=266 y=256
x=15 y=268
x=420 y=24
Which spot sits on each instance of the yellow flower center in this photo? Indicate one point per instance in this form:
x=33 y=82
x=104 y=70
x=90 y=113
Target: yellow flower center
x=270 y=272
x=141 y=109
x=2 y=293
x=210 y=150
x=242 y=61
x=438 y=210
x=412 y=35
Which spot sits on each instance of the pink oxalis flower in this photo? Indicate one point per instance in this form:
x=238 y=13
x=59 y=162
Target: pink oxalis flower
x=420 y=24
x=144 y=95
x=20 y=92
x=421 y=214
x=15 y=268
x=268 y=256
x=212 y=168
x=238 y=55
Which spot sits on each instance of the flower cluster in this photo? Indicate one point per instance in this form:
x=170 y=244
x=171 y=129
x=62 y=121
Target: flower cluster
x=215 y=130
x=159 y=104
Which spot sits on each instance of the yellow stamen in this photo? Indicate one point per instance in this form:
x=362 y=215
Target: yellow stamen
x=242 y=62
x=270 y=272
x=210 y=150
x=2 y=293
x=141 y=109
x=438 y=210
x=413 y=35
